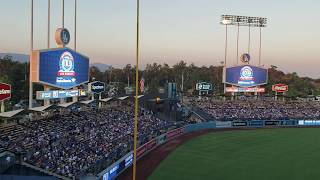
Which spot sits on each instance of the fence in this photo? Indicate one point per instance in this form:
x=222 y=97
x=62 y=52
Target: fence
x=122 y=164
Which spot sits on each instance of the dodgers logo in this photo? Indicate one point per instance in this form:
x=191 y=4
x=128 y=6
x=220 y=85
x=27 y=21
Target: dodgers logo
x=65 y=36
x=245 y=58
x=246 y=76
x=246 y=73
x=66 y=65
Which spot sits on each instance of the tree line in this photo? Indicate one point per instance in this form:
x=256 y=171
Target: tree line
x=157 y=76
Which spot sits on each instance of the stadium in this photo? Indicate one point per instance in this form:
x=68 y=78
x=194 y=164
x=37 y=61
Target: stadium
x=63 y=115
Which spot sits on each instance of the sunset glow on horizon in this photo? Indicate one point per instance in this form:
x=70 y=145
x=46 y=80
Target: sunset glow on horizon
x=172 y=30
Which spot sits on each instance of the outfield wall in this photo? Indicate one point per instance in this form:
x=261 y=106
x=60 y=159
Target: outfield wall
x=122 y=164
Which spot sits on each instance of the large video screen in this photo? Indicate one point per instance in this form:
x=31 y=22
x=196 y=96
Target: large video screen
x=246 y=76
x=63 y=68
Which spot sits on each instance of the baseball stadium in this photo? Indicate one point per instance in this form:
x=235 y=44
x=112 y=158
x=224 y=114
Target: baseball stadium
x=83 y=101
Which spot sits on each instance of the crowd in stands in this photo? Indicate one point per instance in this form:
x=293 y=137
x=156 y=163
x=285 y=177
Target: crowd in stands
x=263 y=109
x=73 y=144
x=85 y=142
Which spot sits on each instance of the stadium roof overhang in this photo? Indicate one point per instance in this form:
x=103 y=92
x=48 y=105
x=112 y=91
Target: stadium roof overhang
x=87 y=102
x=41 y=108
x=106 y=99
x=123 y=98
x=65 y=105
x=11 y=114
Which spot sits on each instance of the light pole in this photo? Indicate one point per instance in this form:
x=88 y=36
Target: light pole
x=244 y=21
x=75 y=25
x=135 y=131
x=62 y=13
x=31 y=49
x=238 y=41
x=48 y=35
x=225 y=21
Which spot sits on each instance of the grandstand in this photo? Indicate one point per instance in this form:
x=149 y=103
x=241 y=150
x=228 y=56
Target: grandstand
x=82 y=143
x=79 y=143
x=261 y=109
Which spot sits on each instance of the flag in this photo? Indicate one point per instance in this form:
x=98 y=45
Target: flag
x=142 y=85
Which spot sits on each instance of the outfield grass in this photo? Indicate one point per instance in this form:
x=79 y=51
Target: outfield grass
x=265 y=154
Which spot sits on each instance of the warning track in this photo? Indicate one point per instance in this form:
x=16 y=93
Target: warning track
x=147 y=164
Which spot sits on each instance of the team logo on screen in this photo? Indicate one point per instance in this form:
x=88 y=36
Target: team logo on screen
x=246 y=73
x=246 y=76
x=66 y=65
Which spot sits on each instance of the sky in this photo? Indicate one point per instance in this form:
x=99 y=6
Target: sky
x=171 y=30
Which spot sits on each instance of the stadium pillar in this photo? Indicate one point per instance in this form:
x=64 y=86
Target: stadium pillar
x=256 y=93
x=46 y=102
x=232 y=94
x=75 y=99
x=2 y=107
x=99 y=100
x=62 y=101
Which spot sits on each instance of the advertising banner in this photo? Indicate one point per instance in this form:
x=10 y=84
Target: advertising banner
x=223 y=124
x=5 y=91
x=280 y=87
x=309 y=122
x=256 y=123
x=62 y=68
x=204 y=86
x=248 y=89
x=289 y=123
x=246 y=76
x=41 y=95
x=271 y=123
x=96 y=87
x=128 y=160
x=239 y=123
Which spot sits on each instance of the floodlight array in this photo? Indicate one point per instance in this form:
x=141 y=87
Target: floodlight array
x=243 y=21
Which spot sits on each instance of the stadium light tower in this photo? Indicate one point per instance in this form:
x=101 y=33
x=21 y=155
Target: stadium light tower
x=243 y=21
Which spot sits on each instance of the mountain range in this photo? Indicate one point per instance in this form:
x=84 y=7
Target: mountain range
x=25 y=58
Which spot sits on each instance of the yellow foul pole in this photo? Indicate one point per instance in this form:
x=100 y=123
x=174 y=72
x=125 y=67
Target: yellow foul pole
x=135 y=133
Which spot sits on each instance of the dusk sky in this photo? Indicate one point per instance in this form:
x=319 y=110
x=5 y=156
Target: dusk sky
x=172 y=30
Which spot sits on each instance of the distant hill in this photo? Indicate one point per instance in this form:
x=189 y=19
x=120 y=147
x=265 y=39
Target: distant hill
x=102 y=67
x=25 y=58
x=16 y=57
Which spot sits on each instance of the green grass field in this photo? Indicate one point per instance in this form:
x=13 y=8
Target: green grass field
x=265 y=154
